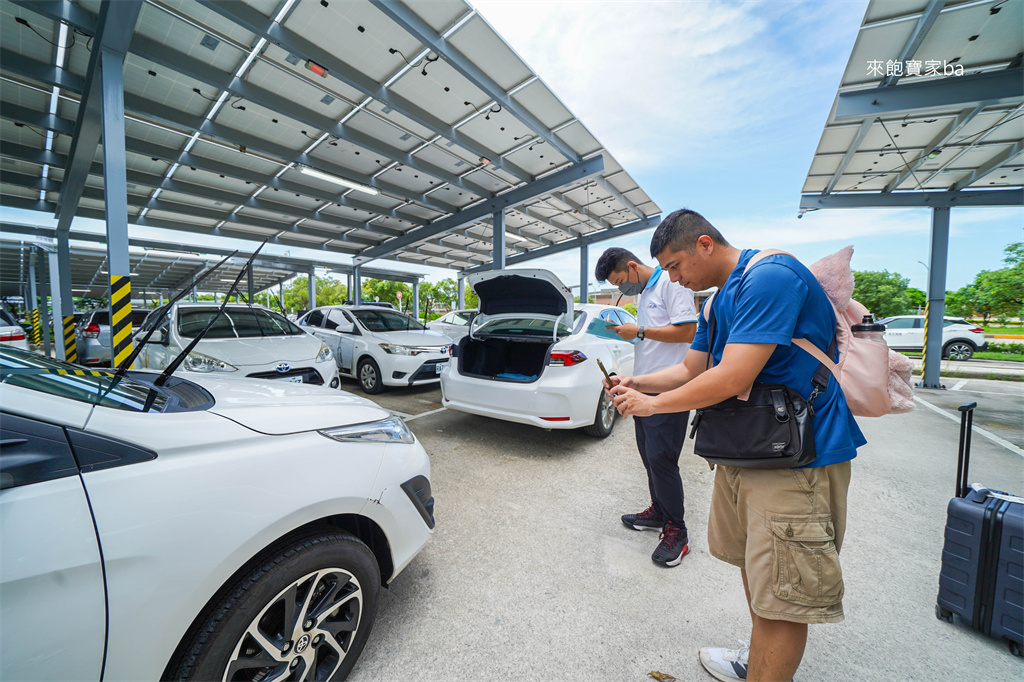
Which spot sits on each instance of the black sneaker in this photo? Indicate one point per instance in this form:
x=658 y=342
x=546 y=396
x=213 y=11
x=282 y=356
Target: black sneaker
x=648 y=519
x=674 y=545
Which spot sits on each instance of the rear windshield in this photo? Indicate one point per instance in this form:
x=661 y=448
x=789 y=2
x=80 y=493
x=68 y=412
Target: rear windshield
x=235 y=323
x=525 y=326
x=6 y=320
x=384 y=320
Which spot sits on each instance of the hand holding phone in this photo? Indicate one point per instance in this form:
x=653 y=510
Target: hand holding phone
x=607 y=376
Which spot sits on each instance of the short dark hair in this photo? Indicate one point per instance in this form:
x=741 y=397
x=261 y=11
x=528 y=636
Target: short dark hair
x=681 y=229
x=613 y=260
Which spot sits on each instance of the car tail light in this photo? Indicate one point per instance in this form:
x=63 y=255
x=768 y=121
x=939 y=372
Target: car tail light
x=567 y=358
x=91 y=332
x=978 y=330
x=17 y=335
x=555 y=419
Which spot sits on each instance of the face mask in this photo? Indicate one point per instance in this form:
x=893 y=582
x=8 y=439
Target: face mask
x=629 y=288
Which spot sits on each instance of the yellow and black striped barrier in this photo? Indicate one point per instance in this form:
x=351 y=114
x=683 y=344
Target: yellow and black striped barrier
x=70 y=349
x=120 y=317
x=37 y=328
x=924 y=348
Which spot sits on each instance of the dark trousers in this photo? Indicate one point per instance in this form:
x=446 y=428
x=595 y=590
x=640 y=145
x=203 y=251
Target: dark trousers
x=659 y=438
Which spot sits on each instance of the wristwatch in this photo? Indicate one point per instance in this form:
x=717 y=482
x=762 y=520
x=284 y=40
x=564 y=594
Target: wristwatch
x=640 y=333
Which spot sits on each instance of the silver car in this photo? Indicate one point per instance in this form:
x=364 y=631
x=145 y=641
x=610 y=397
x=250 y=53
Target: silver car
x=455 y=324
x=11 y=333
x=92 y=336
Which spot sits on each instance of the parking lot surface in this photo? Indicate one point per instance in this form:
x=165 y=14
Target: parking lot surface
x=531 y=576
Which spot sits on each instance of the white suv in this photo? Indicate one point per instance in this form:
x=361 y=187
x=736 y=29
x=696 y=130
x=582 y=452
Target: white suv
x=379 y=347
x=960 y=338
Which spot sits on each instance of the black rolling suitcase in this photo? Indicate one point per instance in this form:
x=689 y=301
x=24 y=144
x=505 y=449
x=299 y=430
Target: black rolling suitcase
x=982 y=578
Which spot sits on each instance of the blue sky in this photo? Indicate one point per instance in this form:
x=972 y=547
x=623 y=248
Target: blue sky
x=717 y=107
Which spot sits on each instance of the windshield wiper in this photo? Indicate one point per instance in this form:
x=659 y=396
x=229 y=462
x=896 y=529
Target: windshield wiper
x=180 y=357
x=158 y=314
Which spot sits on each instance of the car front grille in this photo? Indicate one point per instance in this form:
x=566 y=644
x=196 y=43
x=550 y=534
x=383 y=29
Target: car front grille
x=418 y=490
x=427 y=371
x=308 y=374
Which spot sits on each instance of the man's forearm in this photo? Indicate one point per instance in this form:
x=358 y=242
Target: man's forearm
x=663 y=380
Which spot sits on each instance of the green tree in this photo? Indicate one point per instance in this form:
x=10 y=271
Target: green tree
x=386 y=291
x=1001 y=292
x=428 y=299
x=329 y=291
x=447 y=292
x=963 y=302
x=918 y=298
x=884 y=293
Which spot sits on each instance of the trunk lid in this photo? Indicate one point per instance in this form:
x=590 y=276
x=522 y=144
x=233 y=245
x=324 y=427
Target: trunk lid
x=524 y=293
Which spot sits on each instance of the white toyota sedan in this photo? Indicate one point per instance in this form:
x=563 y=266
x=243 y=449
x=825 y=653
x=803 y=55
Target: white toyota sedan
x=213 y=528
x=379 y=347
x=531 y=357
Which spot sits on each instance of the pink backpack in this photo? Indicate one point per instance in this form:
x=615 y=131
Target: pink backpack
x=875 y=380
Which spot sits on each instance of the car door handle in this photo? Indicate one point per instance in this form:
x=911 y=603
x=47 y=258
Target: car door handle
x=616 y=350
x=12 y=441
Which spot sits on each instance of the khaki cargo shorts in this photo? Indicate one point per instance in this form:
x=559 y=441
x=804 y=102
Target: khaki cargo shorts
x=785 y=528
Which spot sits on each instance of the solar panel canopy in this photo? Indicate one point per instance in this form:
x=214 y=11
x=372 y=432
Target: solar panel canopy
x=931 y=99
x=340 y=126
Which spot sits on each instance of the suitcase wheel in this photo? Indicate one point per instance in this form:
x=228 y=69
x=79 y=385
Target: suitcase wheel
x=1015 y=648
x=945 y=614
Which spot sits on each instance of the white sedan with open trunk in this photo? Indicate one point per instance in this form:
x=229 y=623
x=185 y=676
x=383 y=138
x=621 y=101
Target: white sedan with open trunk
x=531 y=356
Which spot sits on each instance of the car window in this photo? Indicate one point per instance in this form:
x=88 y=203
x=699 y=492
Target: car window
x=447 y=319
x=315 y=318
x=946 y=323
x=384 y=320
x=6 y=319
x=458 y=318
x=235 y=323
x=625 y=317
x=336 y=318
x=46 y=375
x=525 y=326
x=900 y=323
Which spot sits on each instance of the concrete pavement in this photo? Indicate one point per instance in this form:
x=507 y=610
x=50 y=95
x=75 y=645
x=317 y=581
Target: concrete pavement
x=531 y=576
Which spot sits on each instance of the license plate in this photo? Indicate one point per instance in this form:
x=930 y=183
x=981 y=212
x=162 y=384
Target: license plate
x=294 y=380
x=438 y=367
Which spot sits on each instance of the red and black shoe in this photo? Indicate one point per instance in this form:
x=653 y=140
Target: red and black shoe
x=648 y=519
x=673 y=547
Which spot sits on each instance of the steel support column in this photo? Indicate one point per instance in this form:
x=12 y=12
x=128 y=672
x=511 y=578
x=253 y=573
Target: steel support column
x=935 y=309
x=249 y=286
x=461 y=303
x=357 y=285
x=311 y=288
x=63 y=305
x=44 y=306
x=584 y=274
x=33 y=304
x=416 y=299
x=498 y=240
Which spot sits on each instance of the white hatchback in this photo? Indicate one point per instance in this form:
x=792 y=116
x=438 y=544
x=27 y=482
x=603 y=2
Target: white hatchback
x=530 y=357
x=214 y=528
x=379 y=347
x=248 y=341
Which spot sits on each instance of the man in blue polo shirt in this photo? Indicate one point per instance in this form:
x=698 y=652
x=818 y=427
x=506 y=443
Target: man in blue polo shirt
x=782 y=527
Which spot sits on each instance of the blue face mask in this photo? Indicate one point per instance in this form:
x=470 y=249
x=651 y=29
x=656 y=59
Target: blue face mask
x=630 y=288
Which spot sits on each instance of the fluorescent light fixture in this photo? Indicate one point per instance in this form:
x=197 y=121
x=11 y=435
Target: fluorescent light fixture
x=338 y=181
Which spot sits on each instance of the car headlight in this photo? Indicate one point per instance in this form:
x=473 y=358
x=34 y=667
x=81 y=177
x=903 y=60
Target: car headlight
x=395 y=349
x=197 y=362
x=325 y=353
x=390 y=430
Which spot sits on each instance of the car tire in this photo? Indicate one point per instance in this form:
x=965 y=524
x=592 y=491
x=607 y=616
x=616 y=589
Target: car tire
x=332 y=574
x=368 y=376
x=604 y=417
x=958 y=350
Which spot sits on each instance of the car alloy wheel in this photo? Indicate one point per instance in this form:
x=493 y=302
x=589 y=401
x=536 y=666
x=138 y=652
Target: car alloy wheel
x=369 y=376
x=306 y=629
x=604 y=420
x=959 y=350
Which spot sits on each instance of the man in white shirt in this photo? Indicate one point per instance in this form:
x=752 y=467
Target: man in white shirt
x=667 y=321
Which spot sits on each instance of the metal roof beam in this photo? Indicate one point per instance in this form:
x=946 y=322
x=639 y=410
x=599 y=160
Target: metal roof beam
x=62 y=11
x=228 y=82
x=114 y=30
x=620 y=196
x=917 y=36
x=533 y=213
x=421 y=30
x=991 y=88
x=255 y=22
x=991 y=166
x=585 y=240
x=1002 y=197
x=954 y=127
x=948 y=163
x=583 y=210
x=483 y=208
x=42 y=72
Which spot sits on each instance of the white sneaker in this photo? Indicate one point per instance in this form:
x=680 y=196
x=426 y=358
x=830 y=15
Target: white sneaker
x=726 y=664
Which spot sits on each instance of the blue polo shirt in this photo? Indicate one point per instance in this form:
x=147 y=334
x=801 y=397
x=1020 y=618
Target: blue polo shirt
x=777 y=300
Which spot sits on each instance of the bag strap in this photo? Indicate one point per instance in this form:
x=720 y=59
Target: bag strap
x=826 y=366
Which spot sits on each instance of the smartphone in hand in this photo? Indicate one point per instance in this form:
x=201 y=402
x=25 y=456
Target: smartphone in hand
x=608 y=377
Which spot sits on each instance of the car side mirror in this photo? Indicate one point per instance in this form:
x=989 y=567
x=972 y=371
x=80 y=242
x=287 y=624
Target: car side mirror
x=346 y=328
x=159 y=337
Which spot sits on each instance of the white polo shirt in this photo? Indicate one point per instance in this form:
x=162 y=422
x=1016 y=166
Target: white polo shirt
x=662 y=303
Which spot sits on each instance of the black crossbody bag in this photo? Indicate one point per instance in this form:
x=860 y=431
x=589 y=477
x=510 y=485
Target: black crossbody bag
x=772 y=429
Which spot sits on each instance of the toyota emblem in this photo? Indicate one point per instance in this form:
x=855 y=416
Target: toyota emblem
x=301 y=645
x=283 y=367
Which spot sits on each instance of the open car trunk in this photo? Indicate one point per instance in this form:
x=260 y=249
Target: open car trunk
x=503 y=359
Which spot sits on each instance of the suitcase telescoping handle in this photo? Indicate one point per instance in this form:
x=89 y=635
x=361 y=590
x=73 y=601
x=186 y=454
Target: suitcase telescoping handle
x=963 y=462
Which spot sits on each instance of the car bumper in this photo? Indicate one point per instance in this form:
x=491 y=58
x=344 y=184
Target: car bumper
x=563 y=398
x=409 y=370
x=92 y=352
x=318 y=374
x=982 y=347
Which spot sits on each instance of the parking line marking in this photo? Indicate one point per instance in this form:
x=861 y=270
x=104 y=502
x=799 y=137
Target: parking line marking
x=960 y=384
x=977 y=429
x=424 y=414
x=403 y=415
